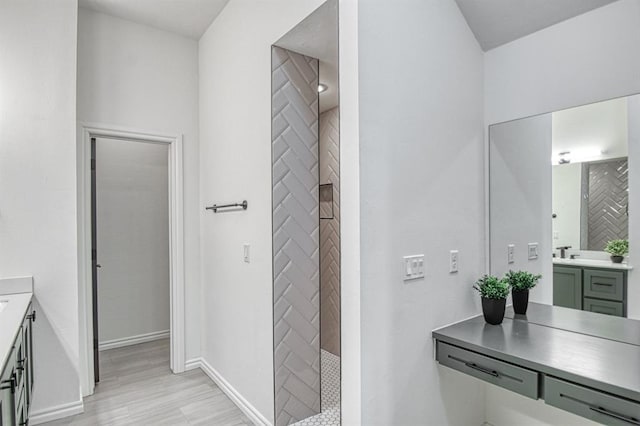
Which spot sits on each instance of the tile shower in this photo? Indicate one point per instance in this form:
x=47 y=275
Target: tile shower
x=306 y=245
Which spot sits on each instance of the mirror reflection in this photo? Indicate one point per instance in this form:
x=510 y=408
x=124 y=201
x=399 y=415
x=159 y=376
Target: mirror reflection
x=561 y=206
x=590 y=185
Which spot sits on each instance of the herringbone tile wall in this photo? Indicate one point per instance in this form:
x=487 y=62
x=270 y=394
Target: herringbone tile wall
x=330 y=234
x=296 y=236
x=608 y=201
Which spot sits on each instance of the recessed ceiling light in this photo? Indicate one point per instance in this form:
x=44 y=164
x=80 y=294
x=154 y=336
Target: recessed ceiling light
x=322 y=87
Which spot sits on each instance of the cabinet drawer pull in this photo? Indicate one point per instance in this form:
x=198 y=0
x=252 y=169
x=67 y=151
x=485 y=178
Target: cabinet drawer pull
x=607 y=284
x=624 y=418
x=9 y=384
x=482 y=369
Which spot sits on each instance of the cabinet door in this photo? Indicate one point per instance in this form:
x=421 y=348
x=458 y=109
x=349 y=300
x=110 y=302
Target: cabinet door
x=27 y=364
x=567 y=287
x=7 y=394
x=600 y=284
x=606 y=307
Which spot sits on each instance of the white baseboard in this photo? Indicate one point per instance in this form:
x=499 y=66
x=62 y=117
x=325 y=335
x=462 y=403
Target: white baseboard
x=57 y=412
x=245 y=406
x=133 y=340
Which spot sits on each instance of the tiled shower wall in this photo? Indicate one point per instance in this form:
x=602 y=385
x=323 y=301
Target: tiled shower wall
x=607 y=204
x=296 y=236
x=330 y=234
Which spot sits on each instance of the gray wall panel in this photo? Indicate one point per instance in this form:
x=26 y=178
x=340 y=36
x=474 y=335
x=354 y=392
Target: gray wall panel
x=330 y=233
x=296 y=236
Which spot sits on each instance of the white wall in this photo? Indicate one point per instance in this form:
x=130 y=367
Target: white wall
x=566 y=203
x=565 y=65
x=520 y=199
x=132 y=189
x=235 y=164
x=38 y=182
x=142 y=78
x=421 y=187
x=350 y=350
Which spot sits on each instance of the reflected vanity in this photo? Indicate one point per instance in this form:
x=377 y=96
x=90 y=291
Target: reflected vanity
x=558 y=192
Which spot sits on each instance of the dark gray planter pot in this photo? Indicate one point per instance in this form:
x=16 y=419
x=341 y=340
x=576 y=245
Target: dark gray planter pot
x=520 y=301
x=493 y=310
x=617 y=259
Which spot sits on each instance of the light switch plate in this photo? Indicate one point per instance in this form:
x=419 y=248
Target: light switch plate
x=511 y=253
x=453 y=261
x=413 y=267
x=247 y=253
x=533 y=251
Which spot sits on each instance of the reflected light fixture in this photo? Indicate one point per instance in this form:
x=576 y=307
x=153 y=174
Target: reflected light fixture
x=322 y=87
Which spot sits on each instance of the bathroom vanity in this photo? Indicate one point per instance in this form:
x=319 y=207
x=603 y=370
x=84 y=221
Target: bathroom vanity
x=16 y=351
x=591 y=285
x=578 y=361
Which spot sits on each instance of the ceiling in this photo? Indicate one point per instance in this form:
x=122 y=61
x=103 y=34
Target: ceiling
x=591 y=132
x=190 y=18
x=497 y=22
x=317 y=36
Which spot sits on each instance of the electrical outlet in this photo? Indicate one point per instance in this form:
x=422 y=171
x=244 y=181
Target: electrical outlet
x=511 y=253
x=413 y=267
x=556 y=235
x=533 y=251
x=247 y=255
x=453 y=261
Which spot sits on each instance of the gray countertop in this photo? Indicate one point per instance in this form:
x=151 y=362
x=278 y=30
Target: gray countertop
x=601 y=363
x=598 y=325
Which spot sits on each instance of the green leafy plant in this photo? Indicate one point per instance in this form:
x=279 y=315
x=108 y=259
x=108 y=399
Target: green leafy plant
x=491 y=287
x=617 y=247
x=522 y=280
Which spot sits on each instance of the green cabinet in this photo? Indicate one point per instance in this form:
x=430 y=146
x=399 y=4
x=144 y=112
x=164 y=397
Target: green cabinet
x=16 y=377
x=7 y=392
x=567 y=287
x=604 y=307
x=591 y=289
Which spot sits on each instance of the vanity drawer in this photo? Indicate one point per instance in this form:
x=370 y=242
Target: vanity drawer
x=591 y=404
x=604 y=284
x=516 y=379
x=607 y=307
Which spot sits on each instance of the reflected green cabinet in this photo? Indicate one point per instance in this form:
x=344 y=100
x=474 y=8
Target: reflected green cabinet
x=567 y=287
x=590 y=289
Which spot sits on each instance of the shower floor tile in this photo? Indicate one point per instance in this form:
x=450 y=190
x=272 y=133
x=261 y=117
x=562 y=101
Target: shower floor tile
x=330 y=383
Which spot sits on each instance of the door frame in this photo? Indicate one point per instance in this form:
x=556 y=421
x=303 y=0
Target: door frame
x=86 y=131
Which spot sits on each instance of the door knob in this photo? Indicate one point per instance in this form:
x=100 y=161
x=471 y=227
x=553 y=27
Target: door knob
x=98 y=266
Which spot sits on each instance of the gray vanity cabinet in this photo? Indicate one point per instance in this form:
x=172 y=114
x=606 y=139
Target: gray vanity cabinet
x=567 y=287
x=16 y=379
x=7 y=391
x=590 y=289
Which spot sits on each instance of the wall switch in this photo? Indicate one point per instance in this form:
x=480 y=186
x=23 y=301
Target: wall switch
x=510 y=253
x=453 y=261
x=413 y=267
x=533 y=251
x=246 y=249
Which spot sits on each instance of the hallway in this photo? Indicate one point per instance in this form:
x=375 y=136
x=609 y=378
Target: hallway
x=137 y=388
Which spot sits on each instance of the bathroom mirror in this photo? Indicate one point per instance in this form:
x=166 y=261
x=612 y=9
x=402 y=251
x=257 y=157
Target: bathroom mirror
x=559 y=191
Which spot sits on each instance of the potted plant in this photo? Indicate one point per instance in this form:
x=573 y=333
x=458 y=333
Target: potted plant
x=494 y=292
x=521 y=282
x=617 y=249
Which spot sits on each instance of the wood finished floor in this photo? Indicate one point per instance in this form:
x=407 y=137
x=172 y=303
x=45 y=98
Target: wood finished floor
x=137 y=388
